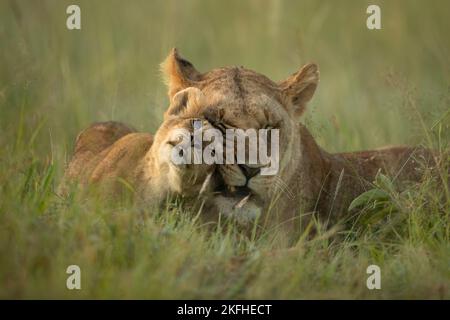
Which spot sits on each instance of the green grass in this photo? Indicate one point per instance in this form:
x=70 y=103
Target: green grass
x=377 y=87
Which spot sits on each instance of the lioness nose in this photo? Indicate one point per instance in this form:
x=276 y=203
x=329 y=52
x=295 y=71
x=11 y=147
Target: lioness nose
x=249 y=172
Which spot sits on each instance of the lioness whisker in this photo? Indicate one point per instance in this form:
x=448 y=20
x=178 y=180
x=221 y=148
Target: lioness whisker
x=205 y=183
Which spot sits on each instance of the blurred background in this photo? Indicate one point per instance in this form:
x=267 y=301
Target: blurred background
x=377 y=86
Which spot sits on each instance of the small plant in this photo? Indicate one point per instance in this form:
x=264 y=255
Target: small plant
x=376 y=204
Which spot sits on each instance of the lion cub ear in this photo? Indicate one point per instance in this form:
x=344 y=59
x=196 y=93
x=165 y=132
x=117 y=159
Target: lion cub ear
x=179 y=73
x=188 y=99
x=299 y=88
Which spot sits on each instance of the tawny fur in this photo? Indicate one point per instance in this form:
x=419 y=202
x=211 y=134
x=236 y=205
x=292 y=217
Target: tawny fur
x=310 y=179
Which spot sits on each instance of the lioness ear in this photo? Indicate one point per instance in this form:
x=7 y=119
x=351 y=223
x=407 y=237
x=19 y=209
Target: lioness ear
x=299 y=88
x=178 y=72
x=186 y=99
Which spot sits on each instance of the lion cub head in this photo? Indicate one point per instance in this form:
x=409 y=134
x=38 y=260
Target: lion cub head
x=175 y=169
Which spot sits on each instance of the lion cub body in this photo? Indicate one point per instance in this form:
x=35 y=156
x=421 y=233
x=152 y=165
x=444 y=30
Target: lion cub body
x=109 y=153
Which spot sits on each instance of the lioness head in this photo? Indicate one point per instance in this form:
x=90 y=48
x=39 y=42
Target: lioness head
x=237 y=98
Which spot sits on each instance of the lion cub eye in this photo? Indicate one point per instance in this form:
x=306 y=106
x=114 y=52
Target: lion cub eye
x=196 y=124
x=175 y=141
x=172 y=143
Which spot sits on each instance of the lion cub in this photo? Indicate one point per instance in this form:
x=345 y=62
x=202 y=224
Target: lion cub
x=116 y=158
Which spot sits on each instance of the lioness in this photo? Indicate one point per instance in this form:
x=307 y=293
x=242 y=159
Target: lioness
x=310 y=180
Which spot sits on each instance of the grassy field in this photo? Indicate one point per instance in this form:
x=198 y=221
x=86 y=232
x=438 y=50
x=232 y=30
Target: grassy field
x=389 y=86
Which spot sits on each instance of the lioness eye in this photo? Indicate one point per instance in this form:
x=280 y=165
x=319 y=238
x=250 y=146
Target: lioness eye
x=273 y=125
x=221 y=127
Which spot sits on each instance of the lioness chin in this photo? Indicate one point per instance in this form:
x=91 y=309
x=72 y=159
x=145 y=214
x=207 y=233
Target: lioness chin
x=310 y=180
